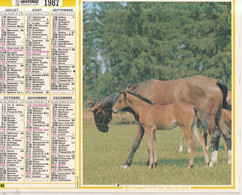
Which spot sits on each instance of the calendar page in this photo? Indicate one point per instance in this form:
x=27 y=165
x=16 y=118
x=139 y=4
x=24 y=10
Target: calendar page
x=88 y=87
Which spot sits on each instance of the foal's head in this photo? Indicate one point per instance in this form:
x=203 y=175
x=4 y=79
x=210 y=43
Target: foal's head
x=120 y=103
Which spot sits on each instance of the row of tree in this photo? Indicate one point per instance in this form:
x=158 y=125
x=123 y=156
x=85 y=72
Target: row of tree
x=131 y=42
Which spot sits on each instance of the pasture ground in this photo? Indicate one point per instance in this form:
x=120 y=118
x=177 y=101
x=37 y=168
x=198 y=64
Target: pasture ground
x=104 y=153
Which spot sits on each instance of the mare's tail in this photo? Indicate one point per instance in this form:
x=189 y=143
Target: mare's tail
x=224 y=90
x=202 y=122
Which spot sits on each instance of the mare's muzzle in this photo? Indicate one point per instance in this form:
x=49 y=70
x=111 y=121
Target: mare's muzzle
x=102 y=120
x=102 y=128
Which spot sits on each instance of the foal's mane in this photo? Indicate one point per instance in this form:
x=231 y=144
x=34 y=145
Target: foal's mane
x=141 y=97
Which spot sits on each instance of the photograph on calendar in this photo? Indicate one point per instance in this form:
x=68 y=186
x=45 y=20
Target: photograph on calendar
x=164 y=66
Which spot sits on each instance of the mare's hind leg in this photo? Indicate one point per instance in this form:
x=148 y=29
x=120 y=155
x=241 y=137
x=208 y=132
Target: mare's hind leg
x=135 y=146
x=215 y=144
x=215 y=134
x=191 y=142
x=201 y=141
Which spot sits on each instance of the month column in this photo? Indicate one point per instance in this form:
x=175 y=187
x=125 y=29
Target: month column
x=63 y=95
x=11 y=95
x=37 y=95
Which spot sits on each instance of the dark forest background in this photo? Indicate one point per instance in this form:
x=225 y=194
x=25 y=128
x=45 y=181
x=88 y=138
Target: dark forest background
x=130 y=42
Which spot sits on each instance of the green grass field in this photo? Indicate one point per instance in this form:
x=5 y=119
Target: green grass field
x=104 y=153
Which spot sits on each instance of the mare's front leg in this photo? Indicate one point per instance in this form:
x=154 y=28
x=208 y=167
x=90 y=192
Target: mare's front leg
x=135 y=146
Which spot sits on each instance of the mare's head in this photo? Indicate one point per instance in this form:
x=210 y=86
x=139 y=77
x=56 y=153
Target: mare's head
x=102 y=110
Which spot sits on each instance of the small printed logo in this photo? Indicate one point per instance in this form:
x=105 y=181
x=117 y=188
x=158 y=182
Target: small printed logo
x=51 y=3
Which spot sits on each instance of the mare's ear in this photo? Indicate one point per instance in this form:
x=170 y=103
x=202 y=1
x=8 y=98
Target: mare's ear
x=92 y=109
x=90 y=102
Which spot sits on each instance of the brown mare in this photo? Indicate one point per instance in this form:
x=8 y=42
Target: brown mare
x=206 y=93
x=164 y=117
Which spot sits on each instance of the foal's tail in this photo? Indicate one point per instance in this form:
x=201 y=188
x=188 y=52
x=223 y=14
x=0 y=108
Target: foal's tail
x=202 y=122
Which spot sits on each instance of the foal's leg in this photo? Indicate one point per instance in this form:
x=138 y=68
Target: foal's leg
x=192 y=144
x=149 y=134
x=209 y=142
x=154 y=148
x=201 y=141
x=181 y=142
x=227 y=135
x=135 y=145
x=225 y=144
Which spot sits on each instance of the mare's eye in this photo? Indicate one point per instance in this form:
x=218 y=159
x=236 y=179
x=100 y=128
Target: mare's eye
x=120 y=101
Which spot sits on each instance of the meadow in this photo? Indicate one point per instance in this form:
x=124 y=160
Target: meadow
x=104 y=153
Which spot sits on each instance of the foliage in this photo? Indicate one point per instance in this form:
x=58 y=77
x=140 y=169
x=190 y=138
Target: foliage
x=130 y=42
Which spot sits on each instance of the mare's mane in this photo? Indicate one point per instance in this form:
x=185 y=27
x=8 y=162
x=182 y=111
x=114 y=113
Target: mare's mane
x=140 y=97
x=134 y=87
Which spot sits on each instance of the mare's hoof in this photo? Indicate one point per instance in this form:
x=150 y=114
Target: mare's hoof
x=150 y=167
x=211 y=164
x=124 y=167
x=229 y=162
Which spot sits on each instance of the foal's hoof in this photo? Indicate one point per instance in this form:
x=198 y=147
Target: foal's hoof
x=189 y=167
x=124 y=167
x=155 y=165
